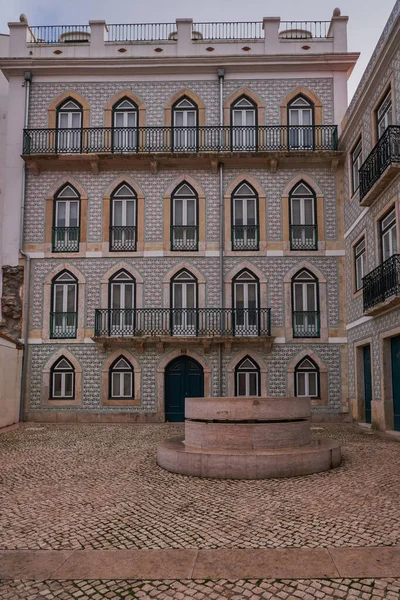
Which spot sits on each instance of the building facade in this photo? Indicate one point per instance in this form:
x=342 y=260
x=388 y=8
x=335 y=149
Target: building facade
x=183 y=214
x=371 y=141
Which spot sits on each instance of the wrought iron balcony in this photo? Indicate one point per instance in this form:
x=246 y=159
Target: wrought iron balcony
x=385 y=154
x=63 y=324
x=187 y=322
x=382 y=284
x=122 y=238
x=184 y=238
x=245 y=237
x=303 y=237
x=65 y=239
x=306 y=324
x=215 y=139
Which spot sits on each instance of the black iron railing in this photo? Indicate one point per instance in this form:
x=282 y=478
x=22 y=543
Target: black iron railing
x=245 y=237
x=306 y=324
x=63 y=324
x=141 y=32
x=303 y=30
x=382 y=283
x=59 y=34
x=200 y=322
x=122 y=238
x=386 y=151
x=180 y=139
x=65 y=239
x=303 y=237
x=245 y=30
x=184 y=237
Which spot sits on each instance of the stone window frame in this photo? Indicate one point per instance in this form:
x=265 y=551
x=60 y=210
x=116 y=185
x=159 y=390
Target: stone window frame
x=262 y=365
x=105 y=283
x=193 y=97
x=60 y=99
x=161 y=368
x=391 y=204
x=47 y=303
x=310 y=96
x=253 y=97
x=229 y=279
x=358 y=404
x=105 y=380
x=359 y=139
x=201 y=283
x=389 y=86
x=319 y=209
x=50 y=215
x=201 y=216
x=262 y=216
x=323 y=399
x=385 y=404
x=46 y=384
x=140 y=216
x=357 y=240
x=323 y=302
x=109 y=107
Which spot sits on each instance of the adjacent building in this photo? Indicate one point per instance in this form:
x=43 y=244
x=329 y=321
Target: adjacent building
x=183 y=214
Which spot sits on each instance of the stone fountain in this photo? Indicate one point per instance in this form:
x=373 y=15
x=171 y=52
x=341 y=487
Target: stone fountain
x=248 y=438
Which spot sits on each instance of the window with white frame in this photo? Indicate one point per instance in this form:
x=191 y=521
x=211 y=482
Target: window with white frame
x=123 y=219
x=388 y=230
x=306 y=317
x=246 y=292
x=64 y=312
x=66 y=233
x=125 y=123
x=121 y=379
x=184 y=231
x=62 y=380
x=244 y=121
x=356 y=162
x=247 y=375
x=244 y=218
x=184 y=119
x=183 y=303
x=303 y=218
x=384 y=115
x=301 y=120
x=122 y=303
x=359 y=263
x=307 y=378
x=69 y=127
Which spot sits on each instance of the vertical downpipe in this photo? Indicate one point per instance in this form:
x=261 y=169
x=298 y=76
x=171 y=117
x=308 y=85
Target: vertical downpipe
x=28 y=79
x=221 y=74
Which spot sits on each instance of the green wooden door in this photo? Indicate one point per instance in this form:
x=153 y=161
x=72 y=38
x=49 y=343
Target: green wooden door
x=184 y=378
x=367 y=383
x=395 y=347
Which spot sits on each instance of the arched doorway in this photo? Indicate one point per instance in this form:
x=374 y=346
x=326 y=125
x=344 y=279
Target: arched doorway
x=184 y=378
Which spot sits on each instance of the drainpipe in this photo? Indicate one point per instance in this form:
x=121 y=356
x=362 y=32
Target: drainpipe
x=221 y=74
x=28 y=79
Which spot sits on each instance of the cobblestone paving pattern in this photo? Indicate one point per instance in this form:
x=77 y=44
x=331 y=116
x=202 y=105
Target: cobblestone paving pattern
x=99 y=487
x=302 y=589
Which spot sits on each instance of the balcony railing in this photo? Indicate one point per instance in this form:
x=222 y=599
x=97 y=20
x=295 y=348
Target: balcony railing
x=141 y=32
x=386 y=152
x=382 y=283
x=184 y=238
x=59 y=34
x=303 y=237
x=63 y=324
x=306 y=324
x=65 y=239
x=122 y=238
x=119 y=140
x=245 y=237
x=245 y=30
x=304 y=30
x=200 y=322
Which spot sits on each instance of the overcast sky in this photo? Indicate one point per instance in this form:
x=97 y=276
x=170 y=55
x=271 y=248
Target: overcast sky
x=367 y=17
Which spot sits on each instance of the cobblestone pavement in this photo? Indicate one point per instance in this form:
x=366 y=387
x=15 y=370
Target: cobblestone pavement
x=303 y=589
x=94 y=486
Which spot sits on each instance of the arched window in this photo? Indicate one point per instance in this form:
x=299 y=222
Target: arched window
x=246 y=293
x=123 y=219
x=303 y=218
x=184 y=120
x=244 y=124
x=301 y=121
x=66 y=214
x=62 y=380
x=247 y=378
x=125 y=126
x=184 y=209
x=69 y=127
x=121 y=379
x=307 y=378
x=245 y=228
x=64 y=312
x=306 y=316
x=122 y=304
x=184 y=303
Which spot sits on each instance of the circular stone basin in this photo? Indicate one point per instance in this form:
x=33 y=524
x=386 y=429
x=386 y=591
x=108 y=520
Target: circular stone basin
x=247 y=409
